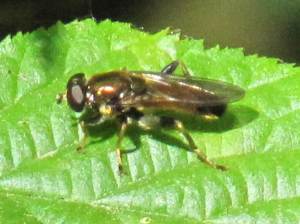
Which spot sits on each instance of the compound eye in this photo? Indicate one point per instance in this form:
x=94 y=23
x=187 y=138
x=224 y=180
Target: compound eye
x=76 y=89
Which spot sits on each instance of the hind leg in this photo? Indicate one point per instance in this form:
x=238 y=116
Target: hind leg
x=170 y=68
x=200 y=154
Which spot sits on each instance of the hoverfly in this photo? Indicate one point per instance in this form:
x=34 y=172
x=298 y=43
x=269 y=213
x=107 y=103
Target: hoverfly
x=134 y=97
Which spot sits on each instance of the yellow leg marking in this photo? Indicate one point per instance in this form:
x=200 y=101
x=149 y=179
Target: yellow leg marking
x=84 y=139
x=119 y=160
x=118 y=147
x=185 y=70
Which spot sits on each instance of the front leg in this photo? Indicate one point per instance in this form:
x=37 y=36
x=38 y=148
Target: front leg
x=83 y=140
x=88 y=119
x=121 y=135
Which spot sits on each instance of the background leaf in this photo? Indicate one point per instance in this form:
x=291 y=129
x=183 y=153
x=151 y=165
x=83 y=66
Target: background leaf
x=45 y=180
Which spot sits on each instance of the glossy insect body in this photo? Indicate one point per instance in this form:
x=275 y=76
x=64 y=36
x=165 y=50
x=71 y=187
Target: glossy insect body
x=130 y=96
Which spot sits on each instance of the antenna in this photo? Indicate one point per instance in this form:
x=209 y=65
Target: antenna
x=90 y=8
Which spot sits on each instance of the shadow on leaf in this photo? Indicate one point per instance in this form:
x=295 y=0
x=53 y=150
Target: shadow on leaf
x=236 y=117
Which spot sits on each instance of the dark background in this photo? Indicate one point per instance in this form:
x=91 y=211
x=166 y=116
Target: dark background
x=264 y=27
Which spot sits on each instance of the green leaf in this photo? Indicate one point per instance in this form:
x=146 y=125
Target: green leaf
x=45 y=180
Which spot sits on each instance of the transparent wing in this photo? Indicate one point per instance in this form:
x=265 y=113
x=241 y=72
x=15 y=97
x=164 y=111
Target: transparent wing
x=163 y=89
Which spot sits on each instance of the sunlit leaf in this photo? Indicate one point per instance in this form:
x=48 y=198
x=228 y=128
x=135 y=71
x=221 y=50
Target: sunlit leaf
x=44 y=179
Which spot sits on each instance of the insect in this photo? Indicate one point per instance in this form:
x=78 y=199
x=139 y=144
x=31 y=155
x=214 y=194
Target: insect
x=135 y=97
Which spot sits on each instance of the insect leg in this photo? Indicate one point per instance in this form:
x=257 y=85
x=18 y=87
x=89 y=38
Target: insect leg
x=83 y=141
x=151 y=122
x=170 y=68
x=185 y=71
x=93 y=120
x=200 y=154
x=118 y=145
